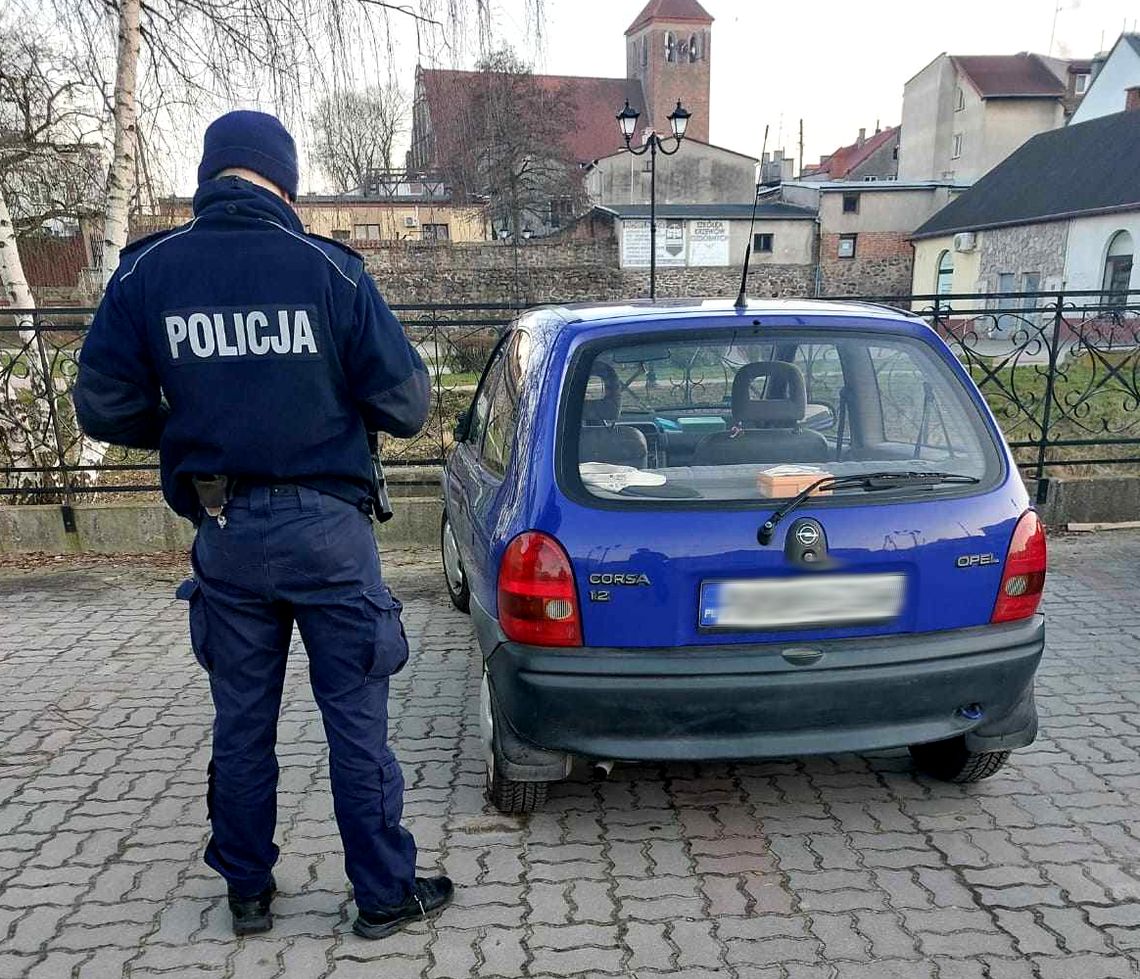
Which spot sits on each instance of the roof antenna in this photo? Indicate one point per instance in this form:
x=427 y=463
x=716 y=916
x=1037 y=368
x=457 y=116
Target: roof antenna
x=742 y=297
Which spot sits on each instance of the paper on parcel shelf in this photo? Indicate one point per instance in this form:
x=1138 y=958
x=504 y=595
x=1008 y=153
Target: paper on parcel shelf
x=780 y=481
x=605 y=475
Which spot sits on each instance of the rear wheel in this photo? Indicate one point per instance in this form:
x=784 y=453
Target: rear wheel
x=506 y=795
x=453 y=573
x=952 y=761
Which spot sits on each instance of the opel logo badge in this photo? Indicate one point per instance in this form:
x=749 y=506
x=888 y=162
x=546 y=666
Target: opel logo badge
x=806 y=534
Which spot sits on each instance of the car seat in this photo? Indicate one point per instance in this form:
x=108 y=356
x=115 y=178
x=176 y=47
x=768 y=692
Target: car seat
x=765 y=430
x=601 y=439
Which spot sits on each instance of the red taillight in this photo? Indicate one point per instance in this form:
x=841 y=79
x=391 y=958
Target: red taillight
x=538 y=604
x=1023 y=578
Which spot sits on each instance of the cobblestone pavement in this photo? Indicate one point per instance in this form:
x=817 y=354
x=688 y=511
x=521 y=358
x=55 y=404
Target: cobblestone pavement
x=802 y=869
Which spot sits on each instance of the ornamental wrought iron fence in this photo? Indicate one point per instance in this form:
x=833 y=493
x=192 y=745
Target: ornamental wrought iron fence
x=1061 y=371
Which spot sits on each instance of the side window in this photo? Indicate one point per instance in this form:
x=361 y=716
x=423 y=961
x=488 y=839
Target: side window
x=823 y=383
x=503 y=414
x=918 y=409
x=482 y=403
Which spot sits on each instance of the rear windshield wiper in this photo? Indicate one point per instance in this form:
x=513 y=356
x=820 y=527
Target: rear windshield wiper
x=889 y=479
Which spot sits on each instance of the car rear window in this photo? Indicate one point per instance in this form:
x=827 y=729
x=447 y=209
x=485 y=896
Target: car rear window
x=701 y=416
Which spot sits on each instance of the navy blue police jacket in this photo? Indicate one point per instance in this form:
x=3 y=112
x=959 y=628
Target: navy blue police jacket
x=238 y=344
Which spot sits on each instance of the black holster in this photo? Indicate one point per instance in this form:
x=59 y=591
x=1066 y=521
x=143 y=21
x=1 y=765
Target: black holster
x=213 y=492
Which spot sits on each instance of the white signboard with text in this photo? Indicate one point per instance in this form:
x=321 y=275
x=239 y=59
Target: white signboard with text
x=635 y=244
x=708 y=242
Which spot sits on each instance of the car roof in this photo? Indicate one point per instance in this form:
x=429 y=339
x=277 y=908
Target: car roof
x=569 y=315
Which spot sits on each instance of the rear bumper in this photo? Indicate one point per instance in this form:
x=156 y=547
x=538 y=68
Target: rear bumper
x=730 y=702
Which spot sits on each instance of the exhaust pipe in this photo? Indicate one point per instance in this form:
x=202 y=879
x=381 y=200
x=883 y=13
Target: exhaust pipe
x=601 y=769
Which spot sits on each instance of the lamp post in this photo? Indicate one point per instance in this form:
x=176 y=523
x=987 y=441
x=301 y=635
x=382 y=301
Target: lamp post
x=678 y=122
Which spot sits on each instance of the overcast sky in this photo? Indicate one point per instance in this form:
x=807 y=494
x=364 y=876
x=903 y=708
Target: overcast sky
x=838 y=65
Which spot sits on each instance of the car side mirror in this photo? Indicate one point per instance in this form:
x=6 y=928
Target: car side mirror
x=462 y=426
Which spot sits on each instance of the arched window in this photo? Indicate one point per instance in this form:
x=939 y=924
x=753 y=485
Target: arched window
x=1118 y=268
x=944 y=283
x=694 y=49
x=644 y=51
x=670 y=47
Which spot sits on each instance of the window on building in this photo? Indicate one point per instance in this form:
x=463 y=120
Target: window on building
x=1031 y=283
x=644 y=51
x=1080 y=84
x=366 y=232
x=561 y=212
x=694 y=49
x=957 y=151
x=670 y=47
x=850 y=203
x=762 y=243
x=944 y=281
x=847 y=246
x=436 y=232
x=1118 y=268
x=1005 y=302
x=959 y=99
x=339 y=234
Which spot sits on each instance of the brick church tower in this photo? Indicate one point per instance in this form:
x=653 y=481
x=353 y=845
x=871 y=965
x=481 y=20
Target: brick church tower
x=668 y=49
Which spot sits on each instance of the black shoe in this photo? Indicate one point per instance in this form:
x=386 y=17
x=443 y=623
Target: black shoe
x=431 y=895
x=251 y=914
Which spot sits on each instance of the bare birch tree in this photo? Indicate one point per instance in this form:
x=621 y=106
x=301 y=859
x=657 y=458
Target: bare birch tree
x=121 y=172
x=185 y=49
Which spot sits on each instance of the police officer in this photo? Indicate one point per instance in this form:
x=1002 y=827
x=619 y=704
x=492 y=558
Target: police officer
x=257 y=358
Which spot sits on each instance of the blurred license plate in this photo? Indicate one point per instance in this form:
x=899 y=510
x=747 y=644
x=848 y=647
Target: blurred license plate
x=810 y=600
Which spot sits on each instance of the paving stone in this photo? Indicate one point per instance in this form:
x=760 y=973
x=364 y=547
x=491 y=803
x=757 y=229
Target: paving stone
x=844 y=867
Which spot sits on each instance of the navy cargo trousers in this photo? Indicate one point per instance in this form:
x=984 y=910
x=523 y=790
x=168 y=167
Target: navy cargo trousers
x=286 y=554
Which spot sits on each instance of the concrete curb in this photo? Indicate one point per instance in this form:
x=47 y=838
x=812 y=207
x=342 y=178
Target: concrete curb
x=152 y=528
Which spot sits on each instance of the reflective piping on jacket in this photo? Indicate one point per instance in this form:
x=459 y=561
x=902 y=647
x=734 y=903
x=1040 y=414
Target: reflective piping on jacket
x=305 y=241
x=161 y=241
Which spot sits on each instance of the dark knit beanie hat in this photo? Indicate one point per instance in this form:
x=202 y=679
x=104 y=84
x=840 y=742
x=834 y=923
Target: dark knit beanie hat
x=254 y=140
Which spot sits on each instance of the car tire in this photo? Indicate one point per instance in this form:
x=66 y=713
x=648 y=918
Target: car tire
x=952 y=761
x=515 y=798
x=510 y=797
x=454 y=574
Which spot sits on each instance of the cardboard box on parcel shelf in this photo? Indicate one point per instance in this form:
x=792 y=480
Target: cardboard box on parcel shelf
x=783 y=481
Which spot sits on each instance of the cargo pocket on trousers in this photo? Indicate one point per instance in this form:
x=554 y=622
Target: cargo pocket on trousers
x=390 y=642
x=191 y=592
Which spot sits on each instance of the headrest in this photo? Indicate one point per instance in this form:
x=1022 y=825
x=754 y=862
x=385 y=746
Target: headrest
x=786 y=401
x=603 y=410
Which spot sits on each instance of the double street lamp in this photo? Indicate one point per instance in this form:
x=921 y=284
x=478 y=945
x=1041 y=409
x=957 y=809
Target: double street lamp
x=678 y=122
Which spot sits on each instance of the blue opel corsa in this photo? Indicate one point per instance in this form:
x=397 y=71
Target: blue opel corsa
x=689 y=530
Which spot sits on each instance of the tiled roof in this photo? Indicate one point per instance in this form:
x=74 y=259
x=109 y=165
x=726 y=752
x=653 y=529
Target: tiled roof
x=590 y=104
x=671 y=10
x=1010 y=76
x=51 y=262
x=847 y=158
x=1064 y=172
x=733 y=212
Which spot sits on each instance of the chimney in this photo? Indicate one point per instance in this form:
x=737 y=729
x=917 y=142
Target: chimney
x=862 y=137
x=1132 y=99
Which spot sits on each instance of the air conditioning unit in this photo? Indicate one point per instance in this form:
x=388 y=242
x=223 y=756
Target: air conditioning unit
x=410 y=221
x=965 y=241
